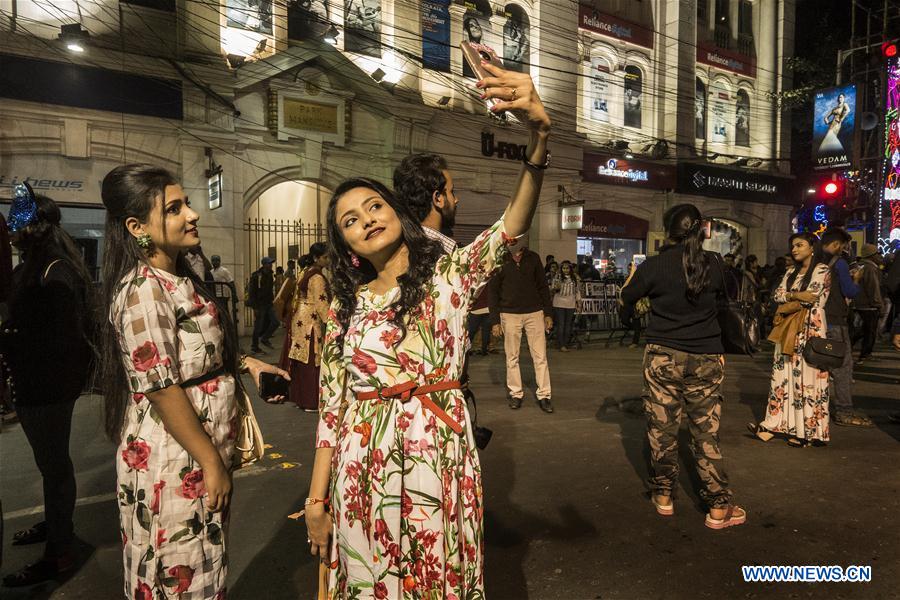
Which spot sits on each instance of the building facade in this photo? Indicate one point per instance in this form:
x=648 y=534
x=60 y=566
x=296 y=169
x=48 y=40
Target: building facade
x=262 y=107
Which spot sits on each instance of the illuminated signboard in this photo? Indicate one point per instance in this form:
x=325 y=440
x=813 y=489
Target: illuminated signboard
x=888 y=226
x=834 y=118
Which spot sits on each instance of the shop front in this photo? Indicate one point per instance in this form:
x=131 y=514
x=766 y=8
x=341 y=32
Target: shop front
x=608 y=241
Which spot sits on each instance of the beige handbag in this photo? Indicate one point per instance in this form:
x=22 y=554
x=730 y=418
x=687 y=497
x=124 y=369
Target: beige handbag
x=249 y=444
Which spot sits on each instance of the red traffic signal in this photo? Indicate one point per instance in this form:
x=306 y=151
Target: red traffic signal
x=831 y=190
x=889 y=49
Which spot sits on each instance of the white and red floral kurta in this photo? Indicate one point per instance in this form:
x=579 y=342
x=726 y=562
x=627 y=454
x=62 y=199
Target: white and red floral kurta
x=406 y=490
x=173 y=547
x=798 y=396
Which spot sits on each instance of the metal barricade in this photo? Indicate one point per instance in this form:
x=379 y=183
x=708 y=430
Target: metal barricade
x=599 y=309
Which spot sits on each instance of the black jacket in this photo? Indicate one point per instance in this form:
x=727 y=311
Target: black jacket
x=261 y=290
x=44 y=343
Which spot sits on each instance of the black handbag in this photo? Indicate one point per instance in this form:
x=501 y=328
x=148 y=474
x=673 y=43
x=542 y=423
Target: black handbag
x=738 y=322
x=822 y=353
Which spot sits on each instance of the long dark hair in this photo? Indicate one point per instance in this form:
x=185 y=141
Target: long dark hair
x=684 y=225
x=346 y=278
x=316 y=251
x=817 y=257
x=132 y=191
x=44 y=241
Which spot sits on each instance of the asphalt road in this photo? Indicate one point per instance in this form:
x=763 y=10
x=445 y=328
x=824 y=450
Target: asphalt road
x=567 y=515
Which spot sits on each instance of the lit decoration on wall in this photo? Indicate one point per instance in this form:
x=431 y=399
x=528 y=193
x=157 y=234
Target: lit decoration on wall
x=888 y=225
x=819 y=214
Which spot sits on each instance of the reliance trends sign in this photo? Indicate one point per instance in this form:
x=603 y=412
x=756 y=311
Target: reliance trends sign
x=702 y=180
x=833 y=123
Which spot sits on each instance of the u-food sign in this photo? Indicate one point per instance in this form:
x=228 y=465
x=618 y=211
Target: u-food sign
x=833 y=124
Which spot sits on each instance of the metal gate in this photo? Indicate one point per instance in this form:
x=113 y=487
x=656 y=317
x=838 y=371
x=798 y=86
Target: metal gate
x=280 y=239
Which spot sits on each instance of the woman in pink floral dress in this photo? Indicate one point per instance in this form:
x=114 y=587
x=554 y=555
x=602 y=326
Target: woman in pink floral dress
x=398 y=462
x=170 y=384
x=798 y=399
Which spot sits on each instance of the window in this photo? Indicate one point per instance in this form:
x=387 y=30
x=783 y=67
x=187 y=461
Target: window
x=703 y=11
x=722 y=11
x=600 y=90
x=700 y=111
x=634 y=88
x=742 y=119
x=745 y=18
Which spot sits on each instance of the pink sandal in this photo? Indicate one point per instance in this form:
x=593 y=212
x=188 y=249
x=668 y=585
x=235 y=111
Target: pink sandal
x=735 y=515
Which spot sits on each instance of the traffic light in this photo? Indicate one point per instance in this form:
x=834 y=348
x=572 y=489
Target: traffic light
x=889 y=49
x=831 y=191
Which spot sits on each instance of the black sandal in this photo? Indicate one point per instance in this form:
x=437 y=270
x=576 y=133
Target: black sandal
x=794 y=442
x=35 y=534
x=38 y=572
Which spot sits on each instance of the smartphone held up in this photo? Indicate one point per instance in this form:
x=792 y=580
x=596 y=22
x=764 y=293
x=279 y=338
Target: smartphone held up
x=473 y=54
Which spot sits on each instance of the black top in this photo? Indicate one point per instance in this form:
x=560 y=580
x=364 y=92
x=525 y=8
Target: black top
x=43 y=344
x=675 y=321
x=261 y=288
x=520 y=287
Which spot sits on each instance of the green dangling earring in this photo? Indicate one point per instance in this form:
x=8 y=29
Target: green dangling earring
x=145 y=242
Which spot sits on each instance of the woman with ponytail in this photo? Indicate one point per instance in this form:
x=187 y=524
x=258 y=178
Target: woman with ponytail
x=171 y=380
x=684 y=363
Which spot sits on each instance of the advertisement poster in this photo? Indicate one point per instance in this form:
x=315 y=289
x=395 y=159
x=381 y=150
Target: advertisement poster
x=719 y=115
x=362 y=26
x=516 y=49
x=436 y=35
x=250 y=15
x=600 y=90
x=742 y=119
x=833 y=123
x=308 y=19
x=634 y=91
x=700 y=111
x=476 y=27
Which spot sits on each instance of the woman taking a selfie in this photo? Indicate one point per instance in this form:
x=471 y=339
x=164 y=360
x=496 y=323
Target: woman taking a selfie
x=798 y=398
x=398 y=462
x=171 y=360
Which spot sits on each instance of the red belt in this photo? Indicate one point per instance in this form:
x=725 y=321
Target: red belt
x=410 y=389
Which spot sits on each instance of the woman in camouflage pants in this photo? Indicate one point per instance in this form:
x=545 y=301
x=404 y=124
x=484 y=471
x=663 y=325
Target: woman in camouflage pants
x=684 y=364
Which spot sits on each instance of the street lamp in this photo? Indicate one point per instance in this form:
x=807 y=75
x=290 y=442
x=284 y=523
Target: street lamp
x=74 y=37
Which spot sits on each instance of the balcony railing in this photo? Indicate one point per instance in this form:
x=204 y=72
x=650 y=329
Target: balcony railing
x=745 y=44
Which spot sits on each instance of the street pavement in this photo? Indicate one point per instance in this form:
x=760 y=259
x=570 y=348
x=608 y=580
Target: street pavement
x=567 y=515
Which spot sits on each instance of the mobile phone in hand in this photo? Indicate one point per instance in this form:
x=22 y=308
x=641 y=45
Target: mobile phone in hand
x=638 y=259
x=271 y=385
x=473 y=54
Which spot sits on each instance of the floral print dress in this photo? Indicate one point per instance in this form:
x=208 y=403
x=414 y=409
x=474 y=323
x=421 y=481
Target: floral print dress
x=173 y=547
x=798 y=398
x=406 y=490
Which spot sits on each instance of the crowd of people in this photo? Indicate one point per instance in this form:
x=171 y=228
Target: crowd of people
x=379 y=321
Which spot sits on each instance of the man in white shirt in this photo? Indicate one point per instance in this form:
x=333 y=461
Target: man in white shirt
x=220 y=274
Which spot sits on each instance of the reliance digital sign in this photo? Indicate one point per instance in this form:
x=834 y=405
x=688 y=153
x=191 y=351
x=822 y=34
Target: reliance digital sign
x=603 y=168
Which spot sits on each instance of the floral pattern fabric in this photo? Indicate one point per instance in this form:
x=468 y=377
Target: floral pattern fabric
x=309 y=311
x=798 y=397
x=406 y=490
x=173 y=547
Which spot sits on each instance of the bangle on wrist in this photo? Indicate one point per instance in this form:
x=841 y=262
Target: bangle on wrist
x=312 y=501
x=242 y=366
x=540 y=167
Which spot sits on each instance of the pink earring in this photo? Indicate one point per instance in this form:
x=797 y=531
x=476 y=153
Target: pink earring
x=354 y=259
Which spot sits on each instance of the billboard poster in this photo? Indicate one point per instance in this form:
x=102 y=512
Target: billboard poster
x=834 y=117
x=308 y=19
x=634 y=88
x=476 y=28
x=719 y=115
x=742 y=119
x=362 y=27
x=249 y=15
x=516 y=48
x=600 y=90
x=436 y=35
x=700 y=111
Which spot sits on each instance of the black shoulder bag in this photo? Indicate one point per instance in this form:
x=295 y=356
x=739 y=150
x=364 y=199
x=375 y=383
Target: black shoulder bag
x=822 y=353
x=738 y=322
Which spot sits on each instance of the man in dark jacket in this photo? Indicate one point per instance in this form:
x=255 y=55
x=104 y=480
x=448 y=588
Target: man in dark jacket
x=520 y=299
x=868 y=304
x=261 y=298
x=843 y=289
